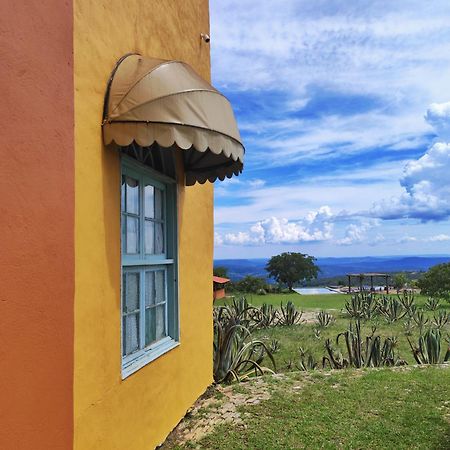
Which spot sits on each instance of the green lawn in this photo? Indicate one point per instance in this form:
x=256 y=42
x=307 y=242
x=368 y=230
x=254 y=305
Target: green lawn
x=371 y=409
x=303 y=335
x=331 y=301
x=294 y=337
x=406 y=407
x=323 y=301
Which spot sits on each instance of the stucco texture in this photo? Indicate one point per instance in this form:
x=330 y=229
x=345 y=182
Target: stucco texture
x=36 y=226
x=138 y=412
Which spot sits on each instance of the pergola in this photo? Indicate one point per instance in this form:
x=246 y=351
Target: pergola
x=371 y=275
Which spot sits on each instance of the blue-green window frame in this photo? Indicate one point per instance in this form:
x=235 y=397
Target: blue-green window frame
x=142 y=263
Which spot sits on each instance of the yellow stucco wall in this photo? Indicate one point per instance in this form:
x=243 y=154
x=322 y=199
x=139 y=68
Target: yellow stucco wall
x=136 y=413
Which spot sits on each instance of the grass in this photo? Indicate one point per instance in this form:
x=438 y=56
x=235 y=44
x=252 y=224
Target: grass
x=383 y=409
x=332 y=301
x=294 y=337
x=403 y=408
x=321 y=301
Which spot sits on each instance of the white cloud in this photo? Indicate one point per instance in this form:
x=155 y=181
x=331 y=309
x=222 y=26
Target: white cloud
x=283 y=144
x=218 y=240
x=439 y=238
x=406 y=239
x=357 y=232
x=316 y=226
x=256 y=183
x=438 y=116
x=426 y=184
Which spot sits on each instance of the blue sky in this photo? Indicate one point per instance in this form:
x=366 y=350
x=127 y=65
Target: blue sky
x=342 y=107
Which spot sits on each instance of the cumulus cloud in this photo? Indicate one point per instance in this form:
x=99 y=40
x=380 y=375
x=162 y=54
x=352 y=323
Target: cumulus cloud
x=218 y=240
x=438 y=116
x=356 y=233
x=316 y=226
x=425 y=181
x=406 y=239
x=439 y=238
x=436 y=238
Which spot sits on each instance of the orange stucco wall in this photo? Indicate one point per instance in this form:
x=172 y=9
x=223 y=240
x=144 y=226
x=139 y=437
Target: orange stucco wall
x=36 y=225
x=219 y=293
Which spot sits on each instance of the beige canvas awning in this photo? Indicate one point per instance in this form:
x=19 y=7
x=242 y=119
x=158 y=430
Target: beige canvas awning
x=166 y=102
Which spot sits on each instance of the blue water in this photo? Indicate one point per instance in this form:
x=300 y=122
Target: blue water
x=314 y=291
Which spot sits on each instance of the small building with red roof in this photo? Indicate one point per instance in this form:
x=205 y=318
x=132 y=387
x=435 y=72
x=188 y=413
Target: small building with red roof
x=219 y=287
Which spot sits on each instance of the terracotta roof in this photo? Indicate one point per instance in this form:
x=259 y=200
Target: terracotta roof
x=220 y=280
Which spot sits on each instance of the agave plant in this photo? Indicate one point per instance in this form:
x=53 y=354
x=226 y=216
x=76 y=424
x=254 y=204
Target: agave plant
x=428 y=348
x=392 y=309
x=317 y=333
x=441 y=319
x=274 y=346
x=408 y=327
x=412 y=311
x=236 y=355
x=420 y=319
x=324 y=319
x=368 y=352
x=406 y=298
x=334 y=359
x=432 y=304
x=363 y=305
x=289 y=315
x=265 y=316
x=307 y=361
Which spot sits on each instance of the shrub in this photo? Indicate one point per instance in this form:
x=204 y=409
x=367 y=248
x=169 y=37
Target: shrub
x=250 y=284
x=436 y=282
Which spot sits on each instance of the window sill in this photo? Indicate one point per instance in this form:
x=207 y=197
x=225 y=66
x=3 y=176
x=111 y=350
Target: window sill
x=152 y=353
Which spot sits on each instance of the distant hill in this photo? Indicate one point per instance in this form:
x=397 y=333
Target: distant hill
x=334 y=267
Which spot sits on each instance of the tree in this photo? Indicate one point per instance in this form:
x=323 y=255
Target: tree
x=436 y=282
x=221 y=271
x=251 y=284
x=400 y=280
x=290 y=268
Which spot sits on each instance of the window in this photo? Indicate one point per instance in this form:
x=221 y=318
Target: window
x=149 y=296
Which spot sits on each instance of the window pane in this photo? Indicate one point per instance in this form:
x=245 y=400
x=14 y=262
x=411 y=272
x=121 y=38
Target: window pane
x=149 y=201
x=132 y=195
x=149 y=237
x=130 y=333
x=130 y=292
x=150 y=326
x=149 y=288
x=159 y=205
x=160 y=322
x=159 y=238
x=160 y=291
x=132 y=235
